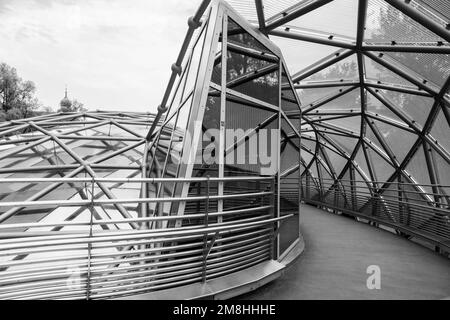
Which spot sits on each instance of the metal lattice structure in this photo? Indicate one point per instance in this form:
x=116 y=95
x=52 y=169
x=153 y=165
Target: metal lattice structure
x=363 y=131
x=104 y=205
x=375 y=105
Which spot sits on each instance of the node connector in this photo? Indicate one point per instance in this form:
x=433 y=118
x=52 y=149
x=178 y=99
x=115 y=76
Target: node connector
x=162 y=109
x=193 y=24
x=176 y=68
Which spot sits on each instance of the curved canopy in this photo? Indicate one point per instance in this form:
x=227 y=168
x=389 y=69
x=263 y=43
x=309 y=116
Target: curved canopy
x=373 y=80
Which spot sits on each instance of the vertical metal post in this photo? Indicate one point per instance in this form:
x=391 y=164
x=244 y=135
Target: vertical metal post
x=274 y=214
x=432 y=173
x=88 y=285
x=205 y=237
x=223 y=105
x=353 y=187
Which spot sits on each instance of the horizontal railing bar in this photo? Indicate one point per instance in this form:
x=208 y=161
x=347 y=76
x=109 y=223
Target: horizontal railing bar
x=125 y=244
x=133 y=234
x=136 y=180
x=77 y=203
x=127 y=220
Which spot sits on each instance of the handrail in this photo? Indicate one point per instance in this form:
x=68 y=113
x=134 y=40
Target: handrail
x=402 y=207
x=113 y=256
x=135 y=180
x=194 y=23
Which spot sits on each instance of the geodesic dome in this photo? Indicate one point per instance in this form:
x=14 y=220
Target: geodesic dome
x=373 y=80
x=357 y=93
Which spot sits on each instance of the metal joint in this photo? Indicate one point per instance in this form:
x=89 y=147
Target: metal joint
x=176 y=68
x=193 y=24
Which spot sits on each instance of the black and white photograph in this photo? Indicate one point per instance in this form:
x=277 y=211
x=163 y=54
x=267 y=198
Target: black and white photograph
x=244 y=151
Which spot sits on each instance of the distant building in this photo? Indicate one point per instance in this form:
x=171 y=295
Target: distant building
x=65 y=104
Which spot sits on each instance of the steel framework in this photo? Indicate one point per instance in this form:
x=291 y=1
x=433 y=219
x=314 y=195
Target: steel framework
x=121 y=195
x=104 y=204
x=375 y=118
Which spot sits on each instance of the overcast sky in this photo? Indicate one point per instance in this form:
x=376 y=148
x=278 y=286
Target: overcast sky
x=116 y=54
x=112 y=54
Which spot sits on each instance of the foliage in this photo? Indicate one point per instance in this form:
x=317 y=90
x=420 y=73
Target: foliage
x=16 y=95
x=72 y=106
x=435 y=68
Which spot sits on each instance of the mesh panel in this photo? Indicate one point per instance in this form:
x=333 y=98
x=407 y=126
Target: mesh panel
x=438 y=6
x=400 y=141
x=324 y=19
x=432 y=67
x=441 y=131
x=385 y=23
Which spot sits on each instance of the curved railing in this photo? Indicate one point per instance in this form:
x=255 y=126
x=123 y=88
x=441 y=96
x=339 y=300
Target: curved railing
x=107 y=258
x=408 y=209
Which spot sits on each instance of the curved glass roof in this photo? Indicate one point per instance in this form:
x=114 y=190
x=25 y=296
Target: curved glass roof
x=373 y=80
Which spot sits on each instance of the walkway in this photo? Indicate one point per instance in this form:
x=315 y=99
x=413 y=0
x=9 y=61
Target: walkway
x=337 y=253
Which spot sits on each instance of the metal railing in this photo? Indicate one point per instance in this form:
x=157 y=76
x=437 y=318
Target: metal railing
x=92 y=258
x=409 y=209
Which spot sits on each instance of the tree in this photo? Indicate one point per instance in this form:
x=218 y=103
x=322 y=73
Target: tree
x=16 y=95
x=396 y=27
x=71 y=106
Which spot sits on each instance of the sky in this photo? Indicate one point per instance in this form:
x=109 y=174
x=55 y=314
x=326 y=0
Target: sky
x=116 y=54
x=111 y=54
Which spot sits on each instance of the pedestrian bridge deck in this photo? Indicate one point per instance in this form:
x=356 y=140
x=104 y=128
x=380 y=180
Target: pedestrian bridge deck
x=339 y=250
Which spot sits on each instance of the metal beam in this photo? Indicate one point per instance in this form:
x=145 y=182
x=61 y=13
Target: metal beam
x=401 y=73
x=325 y=84
x=313 y=39
x=194 y=23
x=233 y=47
x=321 y=64
x=321 y=102
x=260 y=12
x=398 y=112
x=397 y=88
x=436 y=49
x=406 y=8
x=296 y=12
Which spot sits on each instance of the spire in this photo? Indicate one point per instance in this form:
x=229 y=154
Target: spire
x=65 y=102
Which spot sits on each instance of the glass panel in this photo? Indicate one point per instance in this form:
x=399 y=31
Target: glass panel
x=360 y=160
x=400 y=141
x=373 y=138
x=417 y=107
x=385 y=24
x=237 y=35
x=208 y=164
x=287 y=128
x=289 y=157
x=375 y=71
x=350 y=100
x=350 y=123
x=376 y=106
x=288 y=97
x=443 y=171
x=347 y=143
x=441 y=131
x=346 y=69
x=337 y=161
x=417 y=168
x=311 y=52
x=383 y=170
x=240 y=121
x=324 y=18
x=194 y=63
x=217 y=70
x=307 y=96
x=263 y=88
